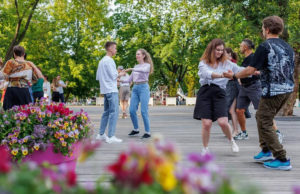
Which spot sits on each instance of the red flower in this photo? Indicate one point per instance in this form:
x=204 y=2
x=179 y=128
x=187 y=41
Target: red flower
x=146 y=175
x=4 y=160
x=71 y=178
x=117 y=167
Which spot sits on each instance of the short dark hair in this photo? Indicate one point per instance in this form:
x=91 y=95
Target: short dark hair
x=249 y=43
x=108 y=44
x=274 y=23
x=19 y=51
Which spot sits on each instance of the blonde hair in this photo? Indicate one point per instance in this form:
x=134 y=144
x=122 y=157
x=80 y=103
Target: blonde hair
x=209 y=54
x=147 y=59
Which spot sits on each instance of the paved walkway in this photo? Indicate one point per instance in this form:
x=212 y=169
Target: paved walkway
x=177 y=125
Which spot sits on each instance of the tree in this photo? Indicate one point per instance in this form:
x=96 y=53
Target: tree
x=24 y=12
x=251 y=13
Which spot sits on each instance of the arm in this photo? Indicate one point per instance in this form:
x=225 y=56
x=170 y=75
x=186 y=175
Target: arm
x=37 y=71
x=205 y=73
x=145 y=68
x=111 y=70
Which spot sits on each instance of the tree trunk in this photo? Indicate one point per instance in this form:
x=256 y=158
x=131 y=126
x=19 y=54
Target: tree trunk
x=19 y=36
x=287 y=109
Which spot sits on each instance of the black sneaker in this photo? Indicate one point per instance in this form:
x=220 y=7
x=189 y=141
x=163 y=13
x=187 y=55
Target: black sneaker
x=133 y=133
x=146 y=135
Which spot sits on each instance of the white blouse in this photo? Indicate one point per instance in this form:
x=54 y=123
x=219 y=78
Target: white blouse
x=205 y=72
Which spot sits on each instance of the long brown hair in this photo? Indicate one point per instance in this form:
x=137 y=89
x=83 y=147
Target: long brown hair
x=209 y=53
x=55 y=82
x=147 y=59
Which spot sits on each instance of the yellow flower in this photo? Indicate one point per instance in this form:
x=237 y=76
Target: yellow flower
x=14 y=152
x=25 y=152
x=61 y=139
x=36 y=147
x=64 y=143
x=83 y=156
x=66 y=135
x=165 y=176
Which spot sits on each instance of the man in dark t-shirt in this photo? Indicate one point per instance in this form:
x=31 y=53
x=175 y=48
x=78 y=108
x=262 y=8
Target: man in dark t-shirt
x=250 y=90
x=274 y=58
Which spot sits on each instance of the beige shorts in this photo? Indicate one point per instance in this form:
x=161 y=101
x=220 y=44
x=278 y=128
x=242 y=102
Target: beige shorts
x=124 y=93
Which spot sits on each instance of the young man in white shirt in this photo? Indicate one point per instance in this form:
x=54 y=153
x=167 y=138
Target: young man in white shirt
x=107 y=76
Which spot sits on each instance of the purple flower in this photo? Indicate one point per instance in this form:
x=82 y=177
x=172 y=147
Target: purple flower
x=39 y=131
x=200 y=159
x=296 y=189
x=138 y=149
x=6 y=122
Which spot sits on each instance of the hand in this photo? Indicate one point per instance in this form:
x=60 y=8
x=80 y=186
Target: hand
x=256 y=73
x=228 y=74
x=129 y=69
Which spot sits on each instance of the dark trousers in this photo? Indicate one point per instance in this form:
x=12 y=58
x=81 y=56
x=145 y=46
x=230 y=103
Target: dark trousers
x=55 y=96
x=61 y=97
x=267 y=110
x=38 y=95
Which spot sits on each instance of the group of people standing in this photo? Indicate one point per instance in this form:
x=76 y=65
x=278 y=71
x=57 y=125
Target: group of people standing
x=273 y=61
x=108 y=77
x=265 y=79
x=22 y=82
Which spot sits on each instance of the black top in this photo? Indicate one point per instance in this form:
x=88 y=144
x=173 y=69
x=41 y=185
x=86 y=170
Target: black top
x=247 y=62
x=275 y=60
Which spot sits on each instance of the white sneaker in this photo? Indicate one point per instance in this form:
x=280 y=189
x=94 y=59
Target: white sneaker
x=113 y=139
x=102 y=137
x=234 y=147
x=205 y=150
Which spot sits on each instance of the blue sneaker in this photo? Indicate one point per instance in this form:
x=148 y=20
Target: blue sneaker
x=263 y=156
x=278 y=165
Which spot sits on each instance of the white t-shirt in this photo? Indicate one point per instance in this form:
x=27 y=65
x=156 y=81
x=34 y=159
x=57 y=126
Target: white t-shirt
x=123 y=78
x=60 y=88
x=107 y=75
x=47 y=90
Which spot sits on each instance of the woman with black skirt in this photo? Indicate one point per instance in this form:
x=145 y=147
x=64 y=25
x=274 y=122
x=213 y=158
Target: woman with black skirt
x=211 y=99
x=55 y=91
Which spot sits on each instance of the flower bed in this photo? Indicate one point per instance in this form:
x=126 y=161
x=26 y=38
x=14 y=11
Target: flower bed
x=29 y=128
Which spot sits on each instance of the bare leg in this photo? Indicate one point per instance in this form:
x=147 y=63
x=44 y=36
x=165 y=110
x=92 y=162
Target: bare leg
x=206 y=126
x=241 y=118
x=125 y=105
x=234 y=118
x=223 y=123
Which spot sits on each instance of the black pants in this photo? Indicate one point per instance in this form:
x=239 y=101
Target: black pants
x=61 y=97
x=38 y=95
x=55 y=96
x=16 y=96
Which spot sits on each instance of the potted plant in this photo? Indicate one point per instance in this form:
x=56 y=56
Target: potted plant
x=41 y=132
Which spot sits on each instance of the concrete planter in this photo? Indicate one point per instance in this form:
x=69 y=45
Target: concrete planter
x=171 y=101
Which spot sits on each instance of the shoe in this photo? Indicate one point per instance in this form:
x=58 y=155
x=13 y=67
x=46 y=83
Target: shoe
x=278 y=165
x=241 y=136
x=205 y=151
x=280 y=136
x=234 y=147
x=133 y=133
x=146 y=135
x=113 y=139
x=101 y=137
x=263 y=156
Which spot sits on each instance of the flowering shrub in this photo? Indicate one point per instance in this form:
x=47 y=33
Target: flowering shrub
x=155 y=167
x=24 y=129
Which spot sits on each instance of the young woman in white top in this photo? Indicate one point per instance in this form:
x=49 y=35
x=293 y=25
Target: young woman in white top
x=47 y=89
x=211 y=98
